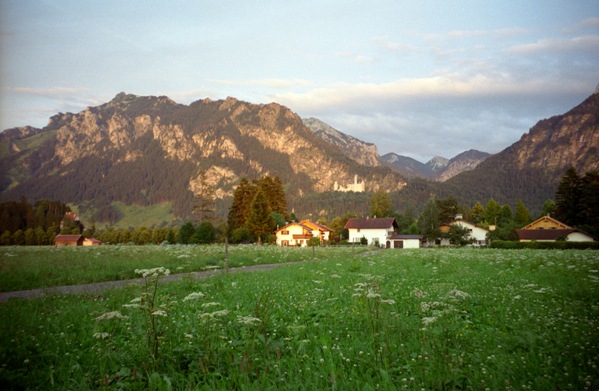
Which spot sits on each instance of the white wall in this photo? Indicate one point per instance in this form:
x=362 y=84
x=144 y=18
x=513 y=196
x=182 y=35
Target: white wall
x=370 y=234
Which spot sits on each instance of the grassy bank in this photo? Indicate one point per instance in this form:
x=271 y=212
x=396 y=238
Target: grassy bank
x=421 y=319
x=45 y=266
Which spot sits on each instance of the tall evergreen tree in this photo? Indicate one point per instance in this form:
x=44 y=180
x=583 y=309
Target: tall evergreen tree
x=448 y=209
x=242 y=198
x=477 y=213
x=522 y=215
x=380 y=204
x=567 y=197
x=260 y=222
x=429 y=220
x=589 y=203
x=492 y=212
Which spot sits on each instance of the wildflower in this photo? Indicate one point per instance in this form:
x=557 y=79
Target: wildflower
x=335 y=276
x=159 y=313
x=194 y=296
x=372 y=295
x=248 y=320
x=101 y=335
x=428 y=320
x=419 y=293
x=388 y=301
x=212 y=304
x=111 y=315
x=458 y=293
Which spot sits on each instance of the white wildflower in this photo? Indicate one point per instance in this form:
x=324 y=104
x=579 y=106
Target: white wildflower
x=388 y=301
x=335 y=276
x=428 y=320
x=372 y=295
x=101 y=335
x=194 y=296
x=211 y=304
x=159 y=313
x=419 y=293
x=111 y=315
x=248 y=320
x=458 y=293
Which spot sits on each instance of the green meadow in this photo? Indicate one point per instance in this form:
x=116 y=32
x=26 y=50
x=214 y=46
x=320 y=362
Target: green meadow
x=338 y=319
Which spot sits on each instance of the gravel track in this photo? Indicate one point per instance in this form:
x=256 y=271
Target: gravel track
x=102 y=286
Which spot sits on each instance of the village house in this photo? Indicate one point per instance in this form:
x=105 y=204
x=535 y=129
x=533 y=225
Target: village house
x=293 y=234
x=477 y=235
x=548 y=229
x=319 y=231
x=68 y=240
x=375 y=231
x=75 y=240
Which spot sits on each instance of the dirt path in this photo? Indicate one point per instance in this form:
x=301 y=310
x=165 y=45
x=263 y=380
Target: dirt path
x=101 y=286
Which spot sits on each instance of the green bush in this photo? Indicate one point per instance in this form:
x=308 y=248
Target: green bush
x=561 y=245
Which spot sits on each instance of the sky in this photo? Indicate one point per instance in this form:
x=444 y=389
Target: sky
x=418 y=78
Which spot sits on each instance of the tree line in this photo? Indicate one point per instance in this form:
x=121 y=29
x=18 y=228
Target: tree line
x=260 y=207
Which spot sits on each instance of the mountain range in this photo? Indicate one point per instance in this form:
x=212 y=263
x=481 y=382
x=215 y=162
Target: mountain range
x=146 y=151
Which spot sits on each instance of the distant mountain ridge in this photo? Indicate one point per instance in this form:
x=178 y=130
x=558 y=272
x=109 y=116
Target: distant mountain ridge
x=364 y=153
x=146 y=150
x=438 y=168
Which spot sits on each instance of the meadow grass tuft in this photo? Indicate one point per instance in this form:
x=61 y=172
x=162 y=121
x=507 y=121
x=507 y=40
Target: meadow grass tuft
x=410 y=319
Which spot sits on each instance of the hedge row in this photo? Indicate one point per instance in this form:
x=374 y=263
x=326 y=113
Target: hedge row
x=506 y=244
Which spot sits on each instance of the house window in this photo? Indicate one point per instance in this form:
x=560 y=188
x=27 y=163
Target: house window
x=284 y=232
x=285 y=243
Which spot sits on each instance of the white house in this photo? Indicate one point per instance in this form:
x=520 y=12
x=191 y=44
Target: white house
x=404 y=241
x=475 y=233
x=376 y=231
x=293 y=234
x=319 y=231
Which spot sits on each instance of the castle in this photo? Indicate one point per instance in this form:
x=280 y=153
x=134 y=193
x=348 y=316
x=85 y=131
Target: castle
x=357 y=186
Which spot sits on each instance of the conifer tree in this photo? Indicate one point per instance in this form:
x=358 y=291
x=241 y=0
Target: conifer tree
x=522 y=215
x=567 y=197
x=380 y=204
x=260 y=222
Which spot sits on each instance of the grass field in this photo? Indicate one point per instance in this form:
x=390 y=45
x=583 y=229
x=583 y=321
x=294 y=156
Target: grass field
x=411 y=319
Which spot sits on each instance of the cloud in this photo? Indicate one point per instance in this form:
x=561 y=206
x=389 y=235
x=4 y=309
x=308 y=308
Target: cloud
x=385 y=43
x=586 y=44
x=52 y=93
x=281 y=84
x=355 y=57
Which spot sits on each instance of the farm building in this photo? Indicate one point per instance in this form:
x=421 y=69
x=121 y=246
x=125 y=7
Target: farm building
x=68 y=240
x=375 y=231
x=404 y=241
x=75 y=240
x=548 y=229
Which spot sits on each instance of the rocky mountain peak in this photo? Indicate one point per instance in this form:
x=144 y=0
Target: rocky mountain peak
x=357 y=150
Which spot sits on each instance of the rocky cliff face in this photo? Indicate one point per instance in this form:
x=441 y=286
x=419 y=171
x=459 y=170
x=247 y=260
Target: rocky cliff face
x=463 y=162
x=531 y=168
x=364 y=153
x=564 y=140
x=138 y=149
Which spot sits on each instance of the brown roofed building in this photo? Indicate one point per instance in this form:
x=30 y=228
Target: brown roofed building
x=68 y=240
x=548 y=229
x=375 y=231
